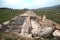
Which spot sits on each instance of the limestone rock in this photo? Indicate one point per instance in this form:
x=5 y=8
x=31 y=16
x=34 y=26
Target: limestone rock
x=56 y=33
x=57 y=26
x=46 y=32
x=5 y=23
x=44 y=18
x=35 y=27
x=26 y=26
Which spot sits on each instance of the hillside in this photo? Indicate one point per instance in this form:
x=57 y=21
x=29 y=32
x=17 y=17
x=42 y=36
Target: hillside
x=52 y=13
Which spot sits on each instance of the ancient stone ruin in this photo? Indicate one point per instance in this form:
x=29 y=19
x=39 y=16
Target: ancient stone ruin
x=31 y=25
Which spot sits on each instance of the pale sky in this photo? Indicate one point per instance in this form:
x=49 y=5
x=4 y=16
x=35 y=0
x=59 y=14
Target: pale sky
x=20 y=4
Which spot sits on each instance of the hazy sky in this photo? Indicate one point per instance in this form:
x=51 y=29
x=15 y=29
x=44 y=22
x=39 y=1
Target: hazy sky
x=20 y=4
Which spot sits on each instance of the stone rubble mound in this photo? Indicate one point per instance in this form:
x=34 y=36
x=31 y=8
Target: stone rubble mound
x=31 y=25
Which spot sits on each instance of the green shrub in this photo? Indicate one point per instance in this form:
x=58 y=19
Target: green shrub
x=8 y=38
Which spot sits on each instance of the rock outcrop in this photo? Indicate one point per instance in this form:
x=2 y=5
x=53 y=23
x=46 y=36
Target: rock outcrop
x=31 y=25
x=56 y=33
x=46 y=32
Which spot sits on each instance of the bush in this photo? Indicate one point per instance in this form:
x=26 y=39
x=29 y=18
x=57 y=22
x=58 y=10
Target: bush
x=8 y=38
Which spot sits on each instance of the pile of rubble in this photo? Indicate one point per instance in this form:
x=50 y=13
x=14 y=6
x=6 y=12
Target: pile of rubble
x=31 y=25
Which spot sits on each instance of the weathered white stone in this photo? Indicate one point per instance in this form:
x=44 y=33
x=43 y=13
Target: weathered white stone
x=46 y=31
x=56 y=33
x=35 y=27
x=57 y=26
x=44 y=17
x=26 y=26
x=5 y=23
x=25 y=35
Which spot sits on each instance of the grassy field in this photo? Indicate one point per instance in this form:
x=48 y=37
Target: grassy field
x=52 y=14
x=7 y=14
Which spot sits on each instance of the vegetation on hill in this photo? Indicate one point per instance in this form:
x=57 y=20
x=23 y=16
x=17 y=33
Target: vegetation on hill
x=53 y=14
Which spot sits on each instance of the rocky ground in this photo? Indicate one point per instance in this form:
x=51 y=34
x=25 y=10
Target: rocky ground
x=31 y=27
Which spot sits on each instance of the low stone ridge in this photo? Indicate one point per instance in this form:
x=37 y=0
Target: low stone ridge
x=31 y=25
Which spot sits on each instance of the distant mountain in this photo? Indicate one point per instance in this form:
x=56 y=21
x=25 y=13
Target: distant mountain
x=57 y=6
x=5 y=8
x=52 y=7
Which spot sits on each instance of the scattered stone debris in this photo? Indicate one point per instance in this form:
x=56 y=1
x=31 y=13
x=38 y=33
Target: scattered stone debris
x=5 y=23
x=31 y=25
